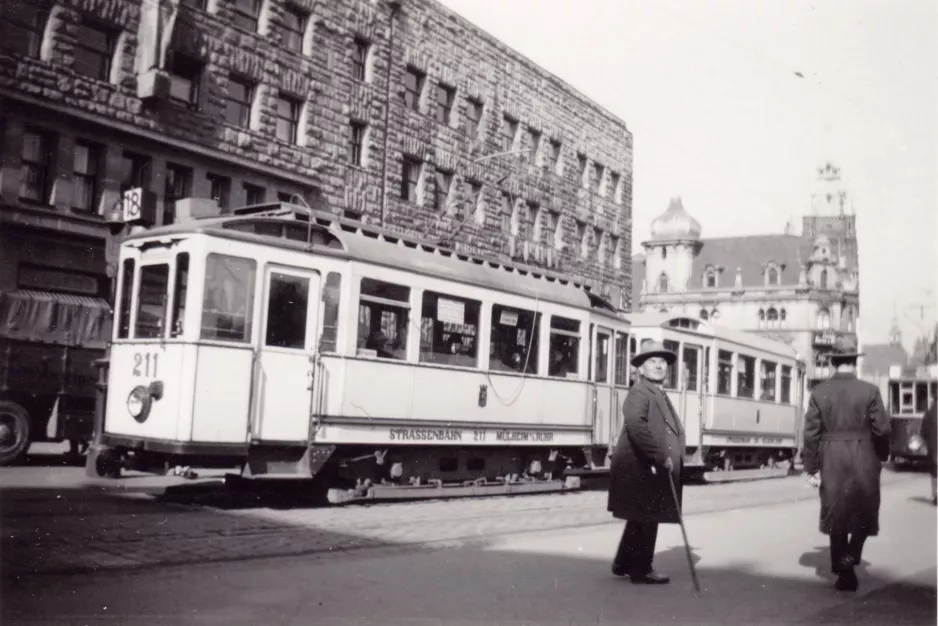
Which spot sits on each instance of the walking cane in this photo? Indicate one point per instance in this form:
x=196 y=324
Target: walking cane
x=680 y=519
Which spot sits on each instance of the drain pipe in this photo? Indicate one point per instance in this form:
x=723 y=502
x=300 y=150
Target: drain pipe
x=395 y=7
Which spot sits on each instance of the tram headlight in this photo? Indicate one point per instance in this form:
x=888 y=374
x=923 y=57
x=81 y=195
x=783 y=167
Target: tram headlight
x=138 y=403
x=915 y=443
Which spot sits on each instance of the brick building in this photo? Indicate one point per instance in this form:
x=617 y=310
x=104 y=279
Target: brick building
x=458 y=138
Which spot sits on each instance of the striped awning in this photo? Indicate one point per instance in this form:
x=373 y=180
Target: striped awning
x=57 y=296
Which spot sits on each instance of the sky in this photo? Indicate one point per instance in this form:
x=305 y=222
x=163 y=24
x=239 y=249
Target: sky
x=720 y=116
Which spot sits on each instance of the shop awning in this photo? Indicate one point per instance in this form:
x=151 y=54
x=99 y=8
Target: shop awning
x=55 y=317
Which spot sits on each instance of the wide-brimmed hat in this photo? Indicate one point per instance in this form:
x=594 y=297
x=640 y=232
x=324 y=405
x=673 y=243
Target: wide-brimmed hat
x=653 y=348
x=845 y=347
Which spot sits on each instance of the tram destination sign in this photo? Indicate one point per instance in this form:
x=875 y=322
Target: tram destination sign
x=747 y=440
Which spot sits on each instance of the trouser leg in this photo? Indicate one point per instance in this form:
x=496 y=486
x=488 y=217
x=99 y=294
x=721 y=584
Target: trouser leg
x=636 y=548
x=840 y=551
x=855 y=547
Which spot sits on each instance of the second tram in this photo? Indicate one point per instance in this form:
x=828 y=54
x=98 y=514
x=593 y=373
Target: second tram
x=911 y=390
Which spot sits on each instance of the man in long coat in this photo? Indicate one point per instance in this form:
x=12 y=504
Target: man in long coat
x=650 y=446
x=846 y=442
x=930 y=435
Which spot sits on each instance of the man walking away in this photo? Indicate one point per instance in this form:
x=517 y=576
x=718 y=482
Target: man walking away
x=846 y=441
x=650 y=445
x=930 y=435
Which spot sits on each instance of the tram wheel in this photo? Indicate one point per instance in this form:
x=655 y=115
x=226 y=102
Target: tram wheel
x=14 y=432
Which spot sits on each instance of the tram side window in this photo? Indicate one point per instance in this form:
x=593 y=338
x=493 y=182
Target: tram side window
x=127 y=289
x=151 y=301
x=514 y=344
x=670 y=382
x=287 y=306
x=179 y=294
x=724 y=372
x=228 y=303
x=564 y=347
x=706 y=371
x=921 y=397
x=382 y=319
x=691 y=364
x=894 y=398
x=331 y=296
x=767 y=380
x=622 y=365
x=746 y=377
x=449 y=330
x=786 y=384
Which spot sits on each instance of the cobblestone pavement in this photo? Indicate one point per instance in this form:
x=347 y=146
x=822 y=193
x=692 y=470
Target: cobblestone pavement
x=59 y=530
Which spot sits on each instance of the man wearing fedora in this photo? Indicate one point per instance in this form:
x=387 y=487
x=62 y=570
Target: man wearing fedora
x=846 y=442
x=650 y=446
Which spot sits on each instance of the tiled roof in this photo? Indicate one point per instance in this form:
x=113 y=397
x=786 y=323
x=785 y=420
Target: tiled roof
x=877 y=357
x=751 y=254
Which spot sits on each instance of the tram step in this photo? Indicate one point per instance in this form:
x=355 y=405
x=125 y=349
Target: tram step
x=746 y=474
x=410 y=492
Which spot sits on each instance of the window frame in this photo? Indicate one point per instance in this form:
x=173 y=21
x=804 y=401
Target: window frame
x=88 y=180
x=371 y=302
x=31 y=30
x=471 y=309
x=247 y=331
x=292 y=122
x=220 y=189
x=244 y=107
x=251 y=189
x=361 y=53
x=410 y=167
x=292 y=37
x=85 y=42
x=187 y=69
x=413 y=93
x=444 y=97
x=474 y=124
x=356 y=142
x=41 y=167
x=556 y=329
x=532 y=333
x=244 y=17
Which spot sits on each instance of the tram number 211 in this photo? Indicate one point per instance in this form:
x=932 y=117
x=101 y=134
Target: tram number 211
x=145 y=364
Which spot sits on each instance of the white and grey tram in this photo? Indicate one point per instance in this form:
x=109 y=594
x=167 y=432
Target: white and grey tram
x=740 y=395
x=298 y=346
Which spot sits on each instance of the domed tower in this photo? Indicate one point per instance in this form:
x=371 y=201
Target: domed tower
x=669 y=254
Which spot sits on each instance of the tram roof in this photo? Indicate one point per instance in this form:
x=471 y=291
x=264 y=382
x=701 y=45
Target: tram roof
x=708 y=329
x=378 y=246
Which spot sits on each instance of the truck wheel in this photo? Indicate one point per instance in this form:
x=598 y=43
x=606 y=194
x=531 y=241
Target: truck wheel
x=14 y=432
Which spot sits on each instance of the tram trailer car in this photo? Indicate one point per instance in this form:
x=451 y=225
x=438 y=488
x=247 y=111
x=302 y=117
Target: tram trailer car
x=910 y=392
x=297 y=344
x=740 y=395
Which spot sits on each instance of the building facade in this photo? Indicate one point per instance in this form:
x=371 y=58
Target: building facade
x=397 y=114
x=801 y=289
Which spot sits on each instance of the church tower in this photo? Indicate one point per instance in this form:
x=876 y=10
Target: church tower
x=669 y=254
x=832 y=215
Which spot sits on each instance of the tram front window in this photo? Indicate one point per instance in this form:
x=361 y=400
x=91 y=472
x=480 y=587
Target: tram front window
x=287 y=305
x=151 y=301
x=228 y=302
x=382 y=319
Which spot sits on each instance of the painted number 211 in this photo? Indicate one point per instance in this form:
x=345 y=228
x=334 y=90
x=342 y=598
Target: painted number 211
x=144 y=361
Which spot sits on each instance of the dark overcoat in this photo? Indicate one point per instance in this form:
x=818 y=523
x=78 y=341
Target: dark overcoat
x=846 y=438
x=930 y=435
x=651 y=434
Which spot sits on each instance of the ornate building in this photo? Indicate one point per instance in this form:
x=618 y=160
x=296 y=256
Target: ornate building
x=800 y=289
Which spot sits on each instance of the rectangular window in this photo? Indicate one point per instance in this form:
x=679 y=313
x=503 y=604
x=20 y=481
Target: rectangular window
x=126 y=298
x=671 y=381
x=534 y=144
x=614 y=187
x=444 y=103
x=288 y=116
x=449 y=330
x=254 y=194
x=444 y=181
x=34 y=173
x=245 y=13
x=767 y=378
x=151 y=301
x=178 y=185
x=724 y=372
x=410 y=178
x=85 y=176
x=746 y=377
x=293 y=25
x=185 y=75
x=240 y=99
x=94 y=50
x=413 y=88
x=22 y=29
x=509 y=130
x=383 y=311
x=473 y=117
x=228 y=302
x=136 y=171
x=564 y=347
x=622 y=363
x=786 y=384
x=921 y=397
x=356 y=142
x=601 y=364
x=584 y=173
x=596 y=182
x=331 y=297
x=195 y=4
x=220 y=189
x=360 y=59
x=180 y=292
x=691 y=361
x=287 y=306
x=553 y=159
x=514 y=343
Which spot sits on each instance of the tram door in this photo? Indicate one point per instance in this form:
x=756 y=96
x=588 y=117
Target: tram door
x=283 y=383
x=692 y=398
x=603 y=389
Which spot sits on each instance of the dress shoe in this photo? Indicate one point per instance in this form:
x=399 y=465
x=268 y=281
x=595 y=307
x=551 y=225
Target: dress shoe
x=650 y=578
x=847 y=581
x=618 y=570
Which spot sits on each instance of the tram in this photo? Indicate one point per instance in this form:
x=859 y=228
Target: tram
x=295 y=343
x=740 y=396
x=911 y=390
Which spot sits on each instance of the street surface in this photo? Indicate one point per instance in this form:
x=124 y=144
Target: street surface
x=79 y=554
